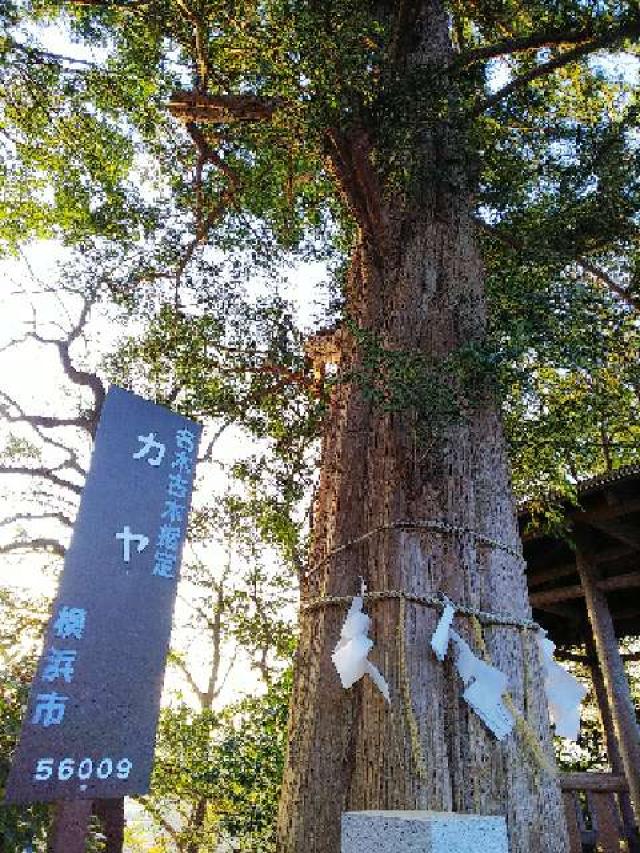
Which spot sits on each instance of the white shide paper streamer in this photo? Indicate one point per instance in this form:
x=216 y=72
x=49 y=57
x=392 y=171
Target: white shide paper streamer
x=484 y=684
x=564 y=692
x=351 y=652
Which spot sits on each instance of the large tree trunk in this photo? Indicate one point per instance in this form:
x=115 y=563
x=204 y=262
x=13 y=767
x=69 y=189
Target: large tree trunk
x=416 y=282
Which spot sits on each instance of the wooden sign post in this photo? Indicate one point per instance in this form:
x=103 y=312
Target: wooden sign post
x=69 y=827
x=89 y=731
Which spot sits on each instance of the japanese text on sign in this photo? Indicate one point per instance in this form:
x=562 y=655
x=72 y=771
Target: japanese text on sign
x=90 y=724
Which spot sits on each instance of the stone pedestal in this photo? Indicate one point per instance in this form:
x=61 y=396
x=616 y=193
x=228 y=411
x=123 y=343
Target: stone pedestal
x=422 y=832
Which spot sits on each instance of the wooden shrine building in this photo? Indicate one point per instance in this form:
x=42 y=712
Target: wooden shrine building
x=587 y=596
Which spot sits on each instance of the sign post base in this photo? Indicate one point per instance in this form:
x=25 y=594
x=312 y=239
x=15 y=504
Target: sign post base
x=422 y=832
x=69 y=827
x=111 y=816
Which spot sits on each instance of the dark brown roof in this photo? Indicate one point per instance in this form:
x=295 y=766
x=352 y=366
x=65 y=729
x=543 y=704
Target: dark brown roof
x=629 y=472
x=609 y=514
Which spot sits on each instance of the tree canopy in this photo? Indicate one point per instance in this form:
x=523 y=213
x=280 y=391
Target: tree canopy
x=182 y=147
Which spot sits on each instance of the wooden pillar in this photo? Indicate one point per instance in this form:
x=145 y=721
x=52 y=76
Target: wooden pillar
x=69 y=827
x=611 y=741
x=111 y=816
x=610 y=662
x=613 y=749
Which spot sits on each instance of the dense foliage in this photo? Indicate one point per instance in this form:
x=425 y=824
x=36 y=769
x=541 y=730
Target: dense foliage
x=20 y=618
x=167 y=211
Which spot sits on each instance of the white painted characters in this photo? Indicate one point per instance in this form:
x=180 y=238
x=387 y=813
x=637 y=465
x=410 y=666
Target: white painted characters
x=150 y=444
x=351 y=652
x=59 y=664
x=49 y=709
x=65 y=769
x=127 y=537
x=70 y=622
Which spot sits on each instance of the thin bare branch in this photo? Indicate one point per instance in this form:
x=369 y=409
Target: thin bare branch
x=48 y=546
x=216 y=638
x=157 y=815
x=71 y=460
x=229 y=669
x=24 y=257
x=36 y=55
x=14 y=343
x=41 y=496
x=46 y=421
x=207 y=456
x=202 y=232
x=184 y=669
x=26 y=516
x=79 y=377
x=44 y=473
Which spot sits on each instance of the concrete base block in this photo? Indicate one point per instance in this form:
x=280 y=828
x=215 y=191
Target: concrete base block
x=422 y=832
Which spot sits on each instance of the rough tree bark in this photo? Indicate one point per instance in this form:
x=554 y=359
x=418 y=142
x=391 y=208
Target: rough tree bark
x=416 y=281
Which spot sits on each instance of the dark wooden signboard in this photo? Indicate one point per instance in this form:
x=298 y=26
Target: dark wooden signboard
x=89 y=730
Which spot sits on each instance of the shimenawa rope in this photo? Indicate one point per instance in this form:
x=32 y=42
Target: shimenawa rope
x=435 y=600
x=428 y=524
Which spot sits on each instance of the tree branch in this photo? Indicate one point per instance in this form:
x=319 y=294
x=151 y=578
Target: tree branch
x=519 y=44
x=627 y=30
x=36 y=54
x=25 y=516
x=46 y=421
x=156 y=814
x=177 y=661
x=79 y=377
x=36 y=422
x=202 y=231
x=42 y=495
x=594 y=270
x=49 y=546
x=208 y=154
x=605 y=278
x=44 y=473
x=216 y=642
x=560 y=654
x=199 y=45
x=118 y=4
x=358 y=182
x=223 y=680
x=207 y=456
x=190 y=106
x=213 y=688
